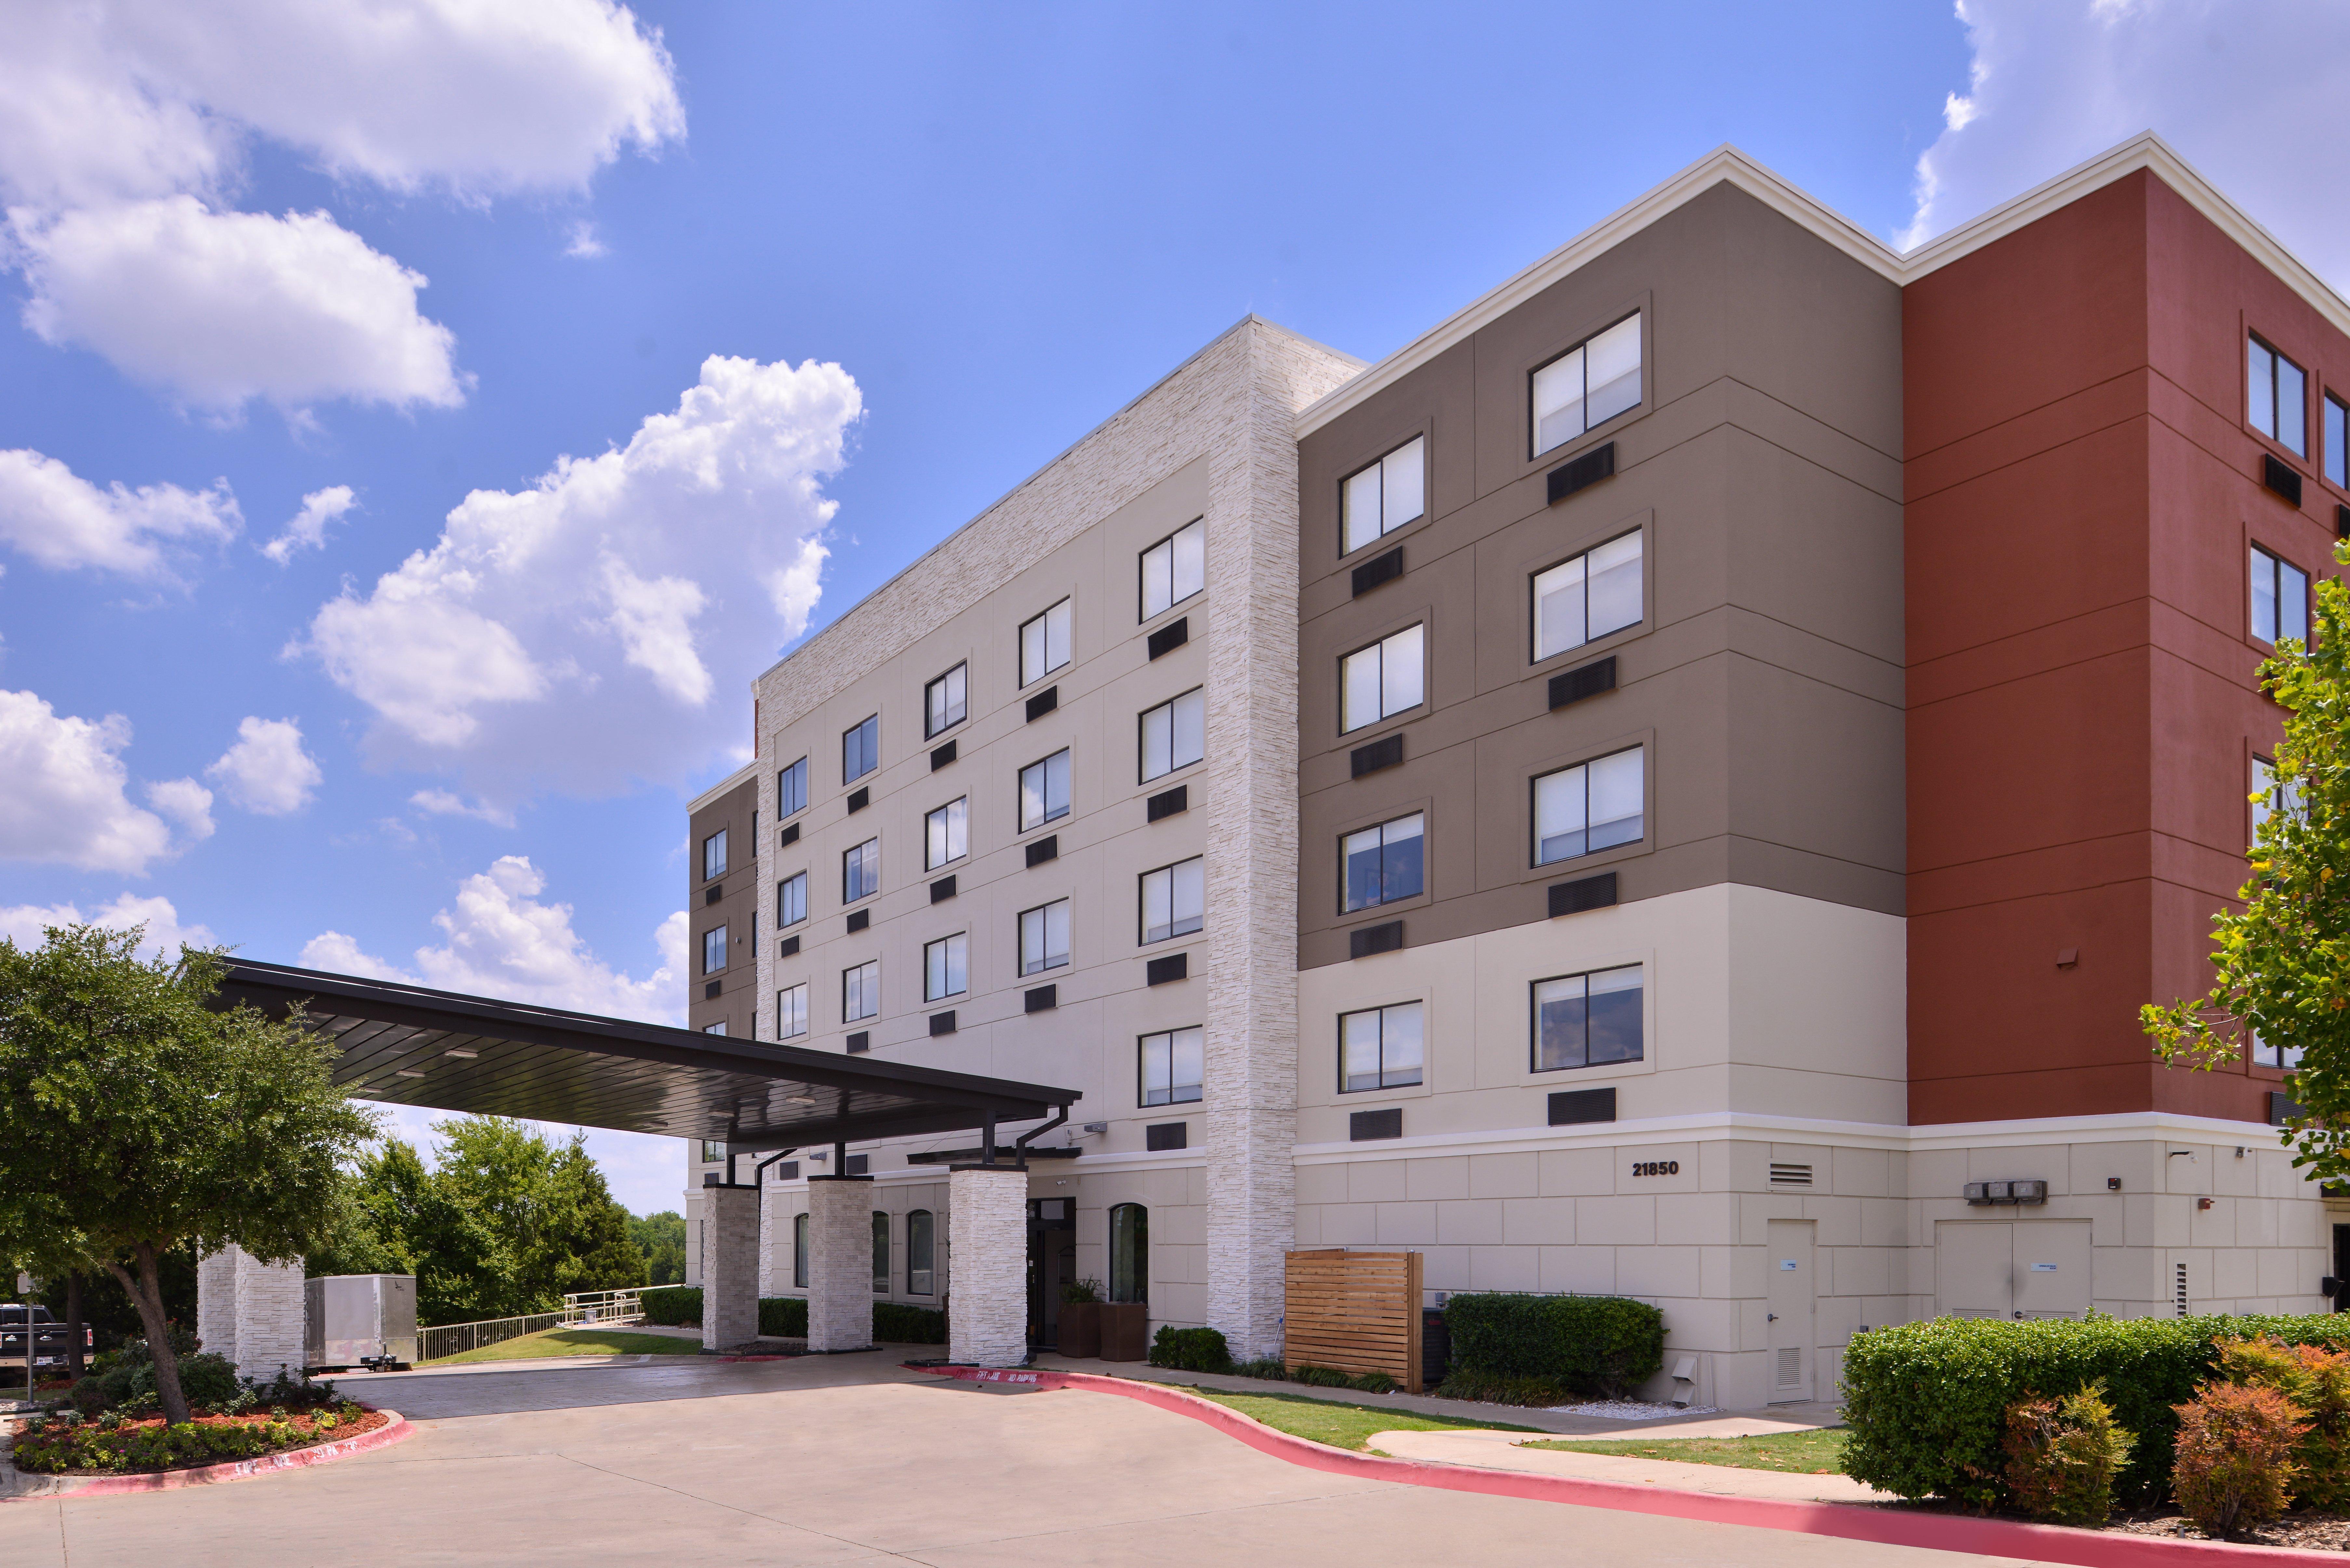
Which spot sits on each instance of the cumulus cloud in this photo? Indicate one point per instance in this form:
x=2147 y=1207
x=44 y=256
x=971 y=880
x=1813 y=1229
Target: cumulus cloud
x=308 y=531
x=61 y=791
x=62 y=521
x=500 y=941
x=2052 y=84
x=441 y=803
x=566 y=634
x=584 y=245
x=267 y=772
x=185 y=801
x=25 y=923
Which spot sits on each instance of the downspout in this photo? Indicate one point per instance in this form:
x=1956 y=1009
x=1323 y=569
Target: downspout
x=1020 y=1144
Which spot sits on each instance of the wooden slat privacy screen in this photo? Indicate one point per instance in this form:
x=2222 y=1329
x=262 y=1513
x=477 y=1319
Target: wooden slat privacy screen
x=1355 y=1311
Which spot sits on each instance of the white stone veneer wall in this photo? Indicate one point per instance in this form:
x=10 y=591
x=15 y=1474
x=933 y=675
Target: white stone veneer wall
x=988 y=1325
x=840 y=1262
x=730 y=1267
x=251 y=1312
x=216 y=1302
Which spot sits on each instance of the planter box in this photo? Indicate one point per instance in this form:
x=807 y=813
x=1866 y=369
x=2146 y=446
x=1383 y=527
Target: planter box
x=1125 y=1331
x=1081 y=1328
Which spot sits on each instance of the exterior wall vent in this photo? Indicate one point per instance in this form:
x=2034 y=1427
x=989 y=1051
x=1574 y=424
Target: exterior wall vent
x=860 y=1041
x=943 y=1024
x=787 y=837
x=1046 y=848
x=1042 y=998
x=1378 y=570
x=1369 y=1127
x=859 y=799
x=859 y=919
x=1573 y=1108
x=1364 y=940
x=1173 y=967
x=857 y=1165
x=941 y=755
x=942 y=889
x=1167 y=1135
x=788 y=948
x=1171 y=637
x=711 y=894
x=1378 y=754
x=1168 y=803
x=1582 y=893
x=2178 y=1291
x=1044 y=703
x=789 y=1170
x=2280 y=476
x=1588 y=470
x=1585 y=681
x=1789 y=1175
x=709 y=991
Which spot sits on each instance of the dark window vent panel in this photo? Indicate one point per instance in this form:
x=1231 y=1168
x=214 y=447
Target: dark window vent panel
x=941 y=755
x=789 y=1170
x=788 y=948
x=1042 y=998
x=2281 y=477
x=943 y=1024
x=1046 y=848
x=1585 y=680
x=860 y=1041
x=1167 y=1135
x=1378 y=754
x=1168 y=802
x=1364 y=940
x=1378 y=569
x=1572 y=1108
x=2284 y=1107
x=1369 y=1127
x=2342 y=522
x=1044 y=703
x=1582 y=893
x=1584 y=471
x=860 y=919
x=942 y=889
x=709 y=894
x=709 y=991
x=859 y=799
x=1173 y=967
x=1171 y=637
x=857 y=1165
x=789 y=835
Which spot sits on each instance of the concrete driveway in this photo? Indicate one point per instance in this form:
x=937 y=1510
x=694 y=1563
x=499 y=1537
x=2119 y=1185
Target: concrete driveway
x=840 y=1459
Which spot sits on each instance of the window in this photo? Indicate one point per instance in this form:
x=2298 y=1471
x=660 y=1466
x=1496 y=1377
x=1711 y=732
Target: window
x=1583 y=599
x=2278 y=397
x=791 y=789
x=791 y=1011
x=1171 y=1067
x=921 y=1250
x=1129 y=1252
x=791 y=899
x=712 y=1152
x=1587 y=1020
x=2337 y=441
x=860 y=871
x=860 y=750
x=1591 y=806
x=880 y=1253
x=1588 y=385
x=1044 y=643
x=713 y=950
x=2280 y=599
x=717 y=1028
x=800 y=1251
x=1173 y=898
x=1175 y=568
x=1044 y=791
x=1382 y=864
x=1385 y=497
x=860 y=991
x=2269 y=797
x=947 y=833
x=713 y=855
x=1381 y=680
x=946 y=967
x=1174 y=734
x=943 y=702
x=1045 y=936
x=1379 y=1048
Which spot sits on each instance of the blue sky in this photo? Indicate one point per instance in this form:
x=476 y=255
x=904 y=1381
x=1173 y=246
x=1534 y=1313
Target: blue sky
x=928 y=247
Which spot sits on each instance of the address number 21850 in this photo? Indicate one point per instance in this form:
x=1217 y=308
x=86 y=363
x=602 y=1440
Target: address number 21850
x=1656 y=1168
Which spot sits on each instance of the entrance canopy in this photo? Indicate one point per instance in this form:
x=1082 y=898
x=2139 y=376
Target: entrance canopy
x=406 y=1045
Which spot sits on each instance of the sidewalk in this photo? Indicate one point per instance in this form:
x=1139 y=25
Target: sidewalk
x=1499 y=1452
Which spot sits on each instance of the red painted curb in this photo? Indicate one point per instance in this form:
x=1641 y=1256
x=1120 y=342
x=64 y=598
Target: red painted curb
x=1887 y=1527
x=395 y=1430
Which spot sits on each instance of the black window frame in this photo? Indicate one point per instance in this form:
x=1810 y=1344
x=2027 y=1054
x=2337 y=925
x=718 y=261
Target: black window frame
x=799 y=877
x=719 y=838
x=875 y=965
x=2276 y=404
x=928 y=996
x=2277 y=566
x=1535 y=453
x=868 y=748
x=963 y=665
x=874 y=844
x=1142 y=719
x=1534 y=862
x=928 y=1237
x=1142 y=1100
x=2333 y=439
x=789 y=781
x=1019 y=788
x=1143 y=613
x=1020 y=642
x=1533 y=598
x=718 y=930
x=1141 y=912
x=1345 y=909
x=1339 y=1042
x=882 y=1274
x=1533 y=1019
x=1139 y=1266
x=1020 y=937
x=800 y=1251
x=1426 y=492
x=808 y=1022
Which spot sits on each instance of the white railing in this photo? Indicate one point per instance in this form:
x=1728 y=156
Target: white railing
x=579 y=1308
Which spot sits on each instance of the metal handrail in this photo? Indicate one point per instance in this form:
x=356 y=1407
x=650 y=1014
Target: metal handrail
x=579 y=1307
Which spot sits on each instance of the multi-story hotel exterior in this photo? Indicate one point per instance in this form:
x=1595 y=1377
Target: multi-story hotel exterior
x=1673 y=784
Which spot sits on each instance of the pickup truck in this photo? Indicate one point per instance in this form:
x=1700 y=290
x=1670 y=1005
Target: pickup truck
x=50 y=1343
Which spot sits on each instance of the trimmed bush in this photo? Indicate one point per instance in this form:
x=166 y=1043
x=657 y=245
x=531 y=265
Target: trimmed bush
x=2317 y=1380
x=1191 y=1350
x=2235 y=1466
x=783 y=1317
x=898 y=1324
x=1535 y=1393
x=1321 y=1377
x=1270 y=1368
x=674 y=1308
x=2062 y=1458
x=1593 y=1345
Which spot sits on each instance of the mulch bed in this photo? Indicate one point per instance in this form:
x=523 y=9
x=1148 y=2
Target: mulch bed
x=2302 y=1532
x=306 y=1435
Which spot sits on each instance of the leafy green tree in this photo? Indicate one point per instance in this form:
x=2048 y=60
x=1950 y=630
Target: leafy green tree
x=662 y=1239
x=135 y=1117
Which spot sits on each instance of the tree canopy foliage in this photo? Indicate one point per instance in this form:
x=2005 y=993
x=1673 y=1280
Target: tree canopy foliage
x=662 y=1239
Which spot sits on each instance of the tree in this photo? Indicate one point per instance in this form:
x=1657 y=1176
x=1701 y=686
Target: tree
x=2283 y=957
x=135 y=1115
x=662 y=1239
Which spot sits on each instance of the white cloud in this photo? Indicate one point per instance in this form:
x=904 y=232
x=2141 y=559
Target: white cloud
x=2052 y=84
x=308 y=530
x=185 y=801
x=441 y=803
x=500 y=942
x=62 y=521
x=584 y=245
x=267 y=772
x=566 y=634
x=23 y=923
x=61 y=788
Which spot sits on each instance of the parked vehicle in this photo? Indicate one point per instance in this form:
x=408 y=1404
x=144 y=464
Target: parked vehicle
x=51 y=1346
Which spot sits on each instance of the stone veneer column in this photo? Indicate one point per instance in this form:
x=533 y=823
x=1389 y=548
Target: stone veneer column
x=730 y=1266
x=216 y=1302
x=840 y=1262
x=269 y=1302
x=987 y=1316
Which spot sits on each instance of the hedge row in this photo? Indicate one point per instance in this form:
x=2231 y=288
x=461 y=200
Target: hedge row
x=1588 y=1346
x=785 y=1317
x=1927 y=1401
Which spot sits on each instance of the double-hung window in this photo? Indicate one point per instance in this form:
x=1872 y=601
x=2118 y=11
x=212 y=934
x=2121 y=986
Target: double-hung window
x=791 y=899
x=1591 y=806
x=1171 y=1067
x=713 y=950
x=1588 y=385
x=1587 y=1020
x=945 y=701
x=2277 y=393
x=946 y=967
x=1383 y=864
x=713 y=855
x=860 y=750
x=791 y=789
x=1585 y=597
x=1381 y=681
x=1174 y=734
x=1379 y=1048
x=860 y=871
x=1044 y=643
x=1175 y=568
x=1044 y=791
x=2336 y=435
x=2280 y=599
x=2270 y=796
x=791 y=1011
x=1045 y=936
x=946 y=834
x=1385 y=497
x=1174 y=898
x=860 y=991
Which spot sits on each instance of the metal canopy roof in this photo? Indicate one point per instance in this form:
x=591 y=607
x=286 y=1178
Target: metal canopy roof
x=407 y=1045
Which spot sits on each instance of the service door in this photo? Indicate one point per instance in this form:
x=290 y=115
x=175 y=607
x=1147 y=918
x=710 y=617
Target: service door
x=2052 y=1268
x=1792 y=1339
x=1974 y=1268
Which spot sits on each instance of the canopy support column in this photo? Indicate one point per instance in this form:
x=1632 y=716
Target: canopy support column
x=730 y=1266
x=841 y=1263
x=251 y=1312
x=987 y=1232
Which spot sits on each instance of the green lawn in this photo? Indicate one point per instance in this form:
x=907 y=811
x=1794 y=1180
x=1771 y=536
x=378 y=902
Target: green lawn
x=1339 y=1425
x=1817 y=1453
x=576 y=1342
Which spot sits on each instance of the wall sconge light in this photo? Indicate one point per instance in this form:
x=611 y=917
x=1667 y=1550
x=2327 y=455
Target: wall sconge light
x=2113 y=1184
x=2202 y=1204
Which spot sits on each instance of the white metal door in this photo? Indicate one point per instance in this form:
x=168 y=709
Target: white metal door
x=2052 y=1268
x=1791 y=1301
x=1974 y=1268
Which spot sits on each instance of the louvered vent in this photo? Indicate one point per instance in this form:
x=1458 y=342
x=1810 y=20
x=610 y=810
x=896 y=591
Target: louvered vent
x=1791 y=1366
x=1789 y=1175
x=2179 y=1291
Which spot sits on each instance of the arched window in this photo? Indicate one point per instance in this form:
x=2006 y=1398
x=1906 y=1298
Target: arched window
x=799 y=1250
x=1129 y=1254
x=880 y=1253
x=919 y=1249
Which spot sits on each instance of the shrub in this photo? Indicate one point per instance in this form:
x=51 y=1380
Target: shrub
x=1536 y=1393
x=1321 y=1377
x=1373 y=1383
x=1191 y=1350
x=1603 y=1345
x=2062 y=1455
x=898 y=1324
x=1269 y=1367
x=674 y=1308
x=785 y=1317
x=90 y=1397
x=207 y=1380
x=1081 y=1291
x=2318 y=1381
x=2234 y=1466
